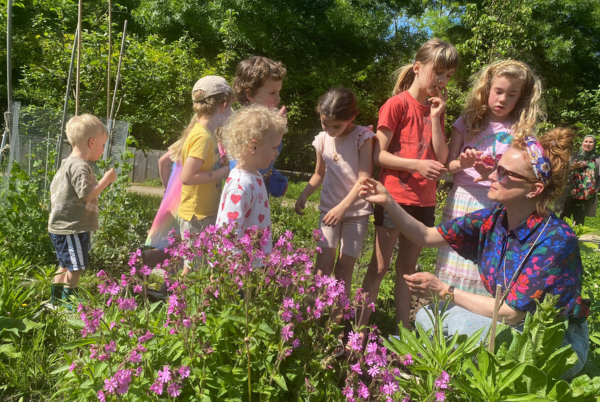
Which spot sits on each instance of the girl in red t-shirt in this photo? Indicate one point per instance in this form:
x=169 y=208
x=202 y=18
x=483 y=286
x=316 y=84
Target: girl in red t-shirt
x=411 y=150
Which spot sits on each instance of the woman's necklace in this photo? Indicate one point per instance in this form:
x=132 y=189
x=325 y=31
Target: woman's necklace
x=520 y=268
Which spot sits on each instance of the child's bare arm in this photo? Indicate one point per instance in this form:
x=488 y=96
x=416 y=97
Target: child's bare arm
x=192 y=176
x=365 y=166
x=108 y=178
x=163 y=168
x=430 y=169
x=313 y=184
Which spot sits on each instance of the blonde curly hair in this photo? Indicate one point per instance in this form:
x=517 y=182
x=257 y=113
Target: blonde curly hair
x=250 y=123
x=527 y=111
x=442 y=54
x=558 y=147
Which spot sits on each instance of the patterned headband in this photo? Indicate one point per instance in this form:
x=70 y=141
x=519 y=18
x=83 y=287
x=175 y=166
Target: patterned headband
x=539 y=161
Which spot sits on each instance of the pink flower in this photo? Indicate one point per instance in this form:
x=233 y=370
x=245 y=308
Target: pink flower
x=389 y=388
x=356 y=368
x=373 y=371
x=296 y=343
x=442 y=381
x=286 y=332
x=164 y=376
x=363 y=391
x=101 y=397
x=110 y=384
x=112 y=325
x=355 y=340
x=174 y=389
x=157 y=388
x=72 y=366
x=137 y=289
x=408 y=360
x=184 y=371
x=348 y=392
x=440 y=396
x=145 y=270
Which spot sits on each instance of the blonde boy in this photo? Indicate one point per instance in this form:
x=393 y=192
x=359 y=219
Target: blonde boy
x=202 y=173
x=74 y=203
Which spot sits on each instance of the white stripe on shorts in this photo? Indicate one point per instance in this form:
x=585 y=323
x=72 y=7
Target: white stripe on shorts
x=74 y=260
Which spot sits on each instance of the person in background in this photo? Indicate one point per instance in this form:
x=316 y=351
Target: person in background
x=582 y=196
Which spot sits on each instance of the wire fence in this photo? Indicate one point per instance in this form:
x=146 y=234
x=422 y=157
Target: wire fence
x=34 y=137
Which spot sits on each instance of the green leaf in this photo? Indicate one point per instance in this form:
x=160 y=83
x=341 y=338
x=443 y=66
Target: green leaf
x=77 y=344
x=280 y=380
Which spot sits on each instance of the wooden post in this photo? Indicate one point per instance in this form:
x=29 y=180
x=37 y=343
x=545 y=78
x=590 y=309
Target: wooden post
x=78 y=58
x=495 y=318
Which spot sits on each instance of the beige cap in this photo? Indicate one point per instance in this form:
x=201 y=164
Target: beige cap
x=211 y=85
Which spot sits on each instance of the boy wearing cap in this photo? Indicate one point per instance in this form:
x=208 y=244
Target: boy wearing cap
x=74 y=203
x=202 y=173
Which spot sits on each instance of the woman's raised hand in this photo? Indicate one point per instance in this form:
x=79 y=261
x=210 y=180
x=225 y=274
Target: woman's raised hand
x=373 y=191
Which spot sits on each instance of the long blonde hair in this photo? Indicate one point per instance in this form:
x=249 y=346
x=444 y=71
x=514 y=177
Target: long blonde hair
x=202 y=107
x=442 y=54
x=527 y=111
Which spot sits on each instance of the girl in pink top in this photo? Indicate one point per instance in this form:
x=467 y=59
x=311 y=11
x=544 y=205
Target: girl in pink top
x=344 y=155
x=503 y=102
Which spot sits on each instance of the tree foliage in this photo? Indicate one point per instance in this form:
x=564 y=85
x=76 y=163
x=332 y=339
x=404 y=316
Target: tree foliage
x=322 y=43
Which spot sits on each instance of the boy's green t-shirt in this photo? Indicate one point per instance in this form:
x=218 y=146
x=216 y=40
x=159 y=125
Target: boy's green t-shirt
x=201 y=200
x=69 y=214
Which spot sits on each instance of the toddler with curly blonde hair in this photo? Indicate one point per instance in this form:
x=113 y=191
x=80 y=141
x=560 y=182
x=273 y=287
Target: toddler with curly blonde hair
x=252 y=137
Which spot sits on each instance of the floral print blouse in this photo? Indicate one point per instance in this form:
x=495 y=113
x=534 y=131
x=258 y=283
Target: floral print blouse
x=584 y=181
x=554 y=265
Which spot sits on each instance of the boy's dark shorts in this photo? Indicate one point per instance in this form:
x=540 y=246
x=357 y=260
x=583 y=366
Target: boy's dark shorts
x=72 y=250
x=425 y=215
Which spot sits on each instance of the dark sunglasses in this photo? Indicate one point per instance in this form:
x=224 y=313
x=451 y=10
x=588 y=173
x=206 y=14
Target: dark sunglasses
x=502 y=172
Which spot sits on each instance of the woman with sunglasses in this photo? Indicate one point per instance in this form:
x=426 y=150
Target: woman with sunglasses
x=518 y=244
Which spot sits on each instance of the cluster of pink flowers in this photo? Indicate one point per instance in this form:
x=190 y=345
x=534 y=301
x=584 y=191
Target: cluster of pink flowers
x=91 y=317
x=441 y=383
x=171 y=379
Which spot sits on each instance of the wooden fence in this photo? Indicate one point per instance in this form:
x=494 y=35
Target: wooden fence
x=145 y=166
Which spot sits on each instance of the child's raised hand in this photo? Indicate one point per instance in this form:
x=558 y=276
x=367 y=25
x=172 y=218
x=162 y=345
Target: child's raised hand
x=469 y=157
x=484 y=171
x=430 y=169
x=300 y=204
x=282 y=111
x=110 y=176
x=438 y=103
x=373 y=191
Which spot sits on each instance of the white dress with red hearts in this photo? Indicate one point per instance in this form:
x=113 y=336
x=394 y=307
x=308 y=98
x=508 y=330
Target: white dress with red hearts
x=245 y=201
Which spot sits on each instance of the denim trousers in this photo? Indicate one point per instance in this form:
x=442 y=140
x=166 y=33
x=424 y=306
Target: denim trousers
x=464 y=322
